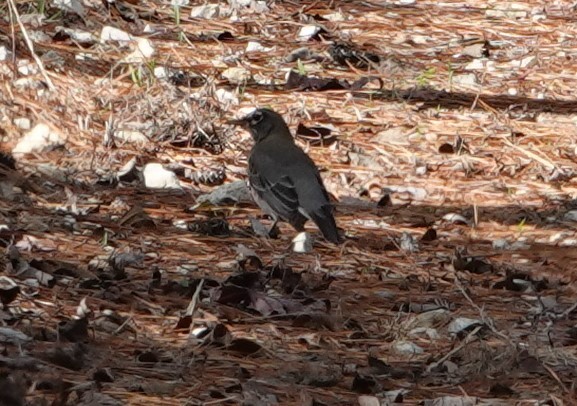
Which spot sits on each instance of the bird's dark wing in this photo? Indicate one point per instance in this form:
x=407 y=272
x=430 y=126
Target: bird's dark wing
x=285 y=177
x=276 y=189
x=325 y=221
x=314 y=201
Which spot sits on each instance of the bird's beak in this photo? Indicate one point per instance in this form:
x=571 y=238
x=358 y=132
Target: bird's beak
x=240 y=122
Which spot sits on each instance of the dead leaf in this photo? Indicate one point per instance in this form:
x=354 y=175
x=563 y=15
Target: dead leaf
x=478 y=50
x=345 y=54
x=316 y=136
x=9 y=290
x=243 y=346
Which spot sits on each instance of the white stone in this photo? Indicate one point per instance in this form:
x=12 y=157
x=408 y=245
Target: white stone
x=28 y=83
x=520 y=245
x=131 y=136
x=250 y=6
x=556 y=237
x=421 y=170
x=40 y=137
x=568 y=242
x=571 y=215
x=199 y=331
x=527 y=61
x=431 y=137
x=239 y=3
x=260 y=6
x=469 y=79
x=144 y=50
x=70 y=5
x=395 y=136
x=114 y=34
x=476 y=64
x=408 y=243
x=306 y=32
x=431 y=333
x=26 y=67
x=366 y=400
x=416 y=193
x=461 y=323
x=23 y=123
x=145 y=47
x=420 y=39
x=33 y=20
x=407 y=347
x=254 y=46
x=236 y=75
x=206 y=11
x=263 y=80
x=481 y=64
x=501 y=244
x=9 y=335
x=156 y=177
x=180 y=223
x=5 y=53
x=455 y=218
x=428 y=319
x=335 y=17
x=226 y=98
x=149 y=29
x=476 y=50
x=160 y=72
x=512 y=14
x=78 y=35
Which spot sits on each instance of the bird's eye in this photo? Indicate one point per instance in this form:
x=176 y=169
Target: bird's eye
x=256 y=118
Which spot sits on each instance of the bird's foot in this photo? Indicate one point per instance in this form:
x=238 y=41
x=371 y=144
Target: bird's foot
x=262 y=231
x=302 y=243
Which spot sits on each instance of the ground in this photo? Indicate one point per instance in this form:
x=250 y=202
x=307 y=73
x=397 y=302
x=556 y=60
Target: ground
x=448 y=144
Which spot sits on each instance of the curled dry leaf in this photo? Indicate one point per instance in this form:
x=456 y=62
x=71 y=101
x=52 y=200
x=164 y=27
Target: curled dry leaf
x=455 y=218
x=74 y=330
x=345 y=54
x=12 y=336
x=316 y=136
x=244 y=346
x=9 y=290
x=229 y=193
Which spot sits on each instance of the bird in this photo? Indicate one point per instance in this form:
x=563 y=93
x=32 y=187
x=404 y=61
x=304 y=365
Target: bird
x=283 y=180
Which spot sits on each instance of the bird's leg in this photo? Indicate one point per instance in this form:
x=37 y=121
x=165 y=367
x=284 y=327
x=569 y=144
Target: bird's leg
x=271 y=232
x=262 y=230
x=302 y=243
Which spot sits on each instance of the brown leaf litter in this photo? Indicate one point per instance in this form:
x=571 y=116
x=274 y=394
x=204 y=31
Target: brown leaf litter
x=445 y=132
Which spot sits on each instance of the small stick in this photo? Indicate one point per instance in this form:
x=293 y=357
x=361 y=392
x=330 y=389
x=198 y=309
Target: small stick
x=192 y=306
x=465 y=342
x=30 y=45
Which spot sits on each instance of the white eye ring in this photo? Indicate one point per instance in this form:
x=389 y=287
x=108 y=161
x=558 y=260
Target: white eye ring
x=256 y=118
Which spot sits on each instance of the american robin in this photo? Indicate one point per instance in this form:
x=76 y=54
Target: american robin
x=283 y=179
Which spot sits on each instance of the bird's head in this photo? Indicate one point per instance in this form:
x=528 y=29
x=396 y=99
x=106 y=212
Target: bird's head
x=263 y=123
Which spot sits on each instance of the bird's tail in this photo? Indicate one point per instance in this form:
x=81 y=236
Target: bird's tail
x=323 y=218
